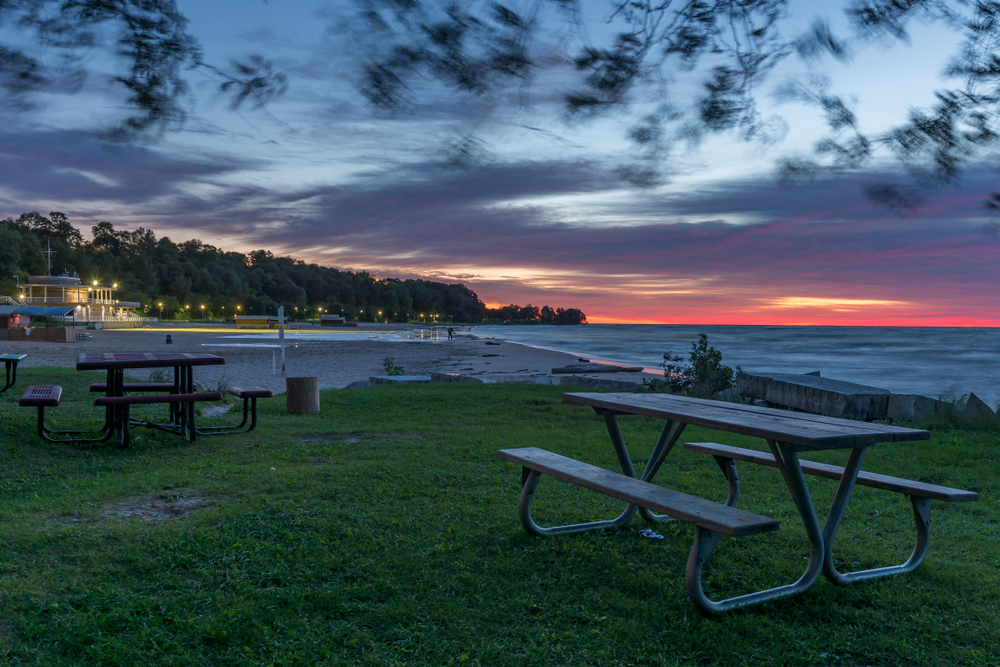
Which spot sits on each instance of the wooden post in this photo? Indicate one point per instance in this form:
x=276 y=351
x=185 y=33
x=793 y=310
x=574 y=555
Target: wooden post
x=302 y=395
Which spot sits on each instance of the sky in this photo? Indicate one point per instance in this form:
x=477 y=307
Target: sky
x=542 y=217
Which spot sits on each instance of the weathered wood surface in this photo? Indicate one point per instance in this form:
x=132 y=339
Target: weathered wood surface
x=681 y=506
x=886 y=482
x=805 y=431
x=596 y=368
x=302 y=395
x=819 y=395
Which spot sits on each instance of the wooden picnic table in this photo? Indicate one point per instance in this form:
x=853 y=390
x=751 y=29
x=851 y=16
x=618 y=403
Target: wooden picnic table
x=787 y=433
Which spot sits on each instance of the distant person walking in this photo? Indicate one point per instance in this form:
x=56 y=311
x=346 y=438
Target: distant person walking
x=451 y=333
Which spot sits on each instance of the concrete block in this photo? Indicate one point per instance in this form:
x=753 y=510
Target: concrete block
x=815 y=394
x=918 y=409
x=974 y=412
x=398 y=379
x=454 y=377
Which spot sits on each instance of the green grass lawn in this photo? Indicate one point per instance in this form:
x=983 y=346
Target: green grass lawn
x=384 y=532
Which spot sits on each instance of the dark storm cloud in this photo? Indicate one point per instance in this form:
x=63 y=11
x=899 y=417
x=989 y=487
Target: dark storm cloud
x=77 y=165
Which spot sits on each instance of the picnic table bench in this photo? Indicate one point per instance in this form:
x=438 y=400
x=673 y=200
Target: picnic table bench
x=921 y=494
x=249 y=396
x=786 y=434
x=10 y=362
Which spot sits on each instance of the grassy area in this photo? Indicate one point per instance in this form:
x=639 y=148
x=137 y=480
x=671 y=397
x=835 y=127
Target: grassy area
x=383 y=532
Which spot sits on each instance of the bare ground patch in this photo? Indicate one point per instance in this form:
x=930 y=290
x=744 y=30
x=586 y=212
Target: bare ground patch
x=361 y=436
x=172 y=504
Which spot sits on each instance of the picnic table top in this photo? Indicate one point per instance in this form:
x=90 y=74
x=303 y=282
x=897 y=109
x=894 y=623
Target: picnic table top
x=12 y=357
x=801 y=429
x=89 y=361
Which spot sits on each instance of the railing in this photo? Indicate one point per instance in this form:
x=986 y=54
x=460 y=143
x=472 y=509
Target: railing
x=10 y=301
x=107 y=318
x=99 y=302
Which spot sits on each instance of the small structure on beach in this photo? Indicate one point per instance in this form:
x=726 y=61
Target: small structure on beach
x=335 y=321
x=257 y=322
x=15 y=322
x=93 y=305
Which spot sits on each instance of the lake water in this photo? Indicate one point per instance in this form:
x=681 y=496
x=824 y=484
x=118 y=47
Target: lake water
x=938 y=362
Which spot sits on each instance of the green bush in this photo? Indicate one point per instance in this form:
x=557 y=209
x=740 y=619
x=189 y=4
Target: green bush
x=704 y=376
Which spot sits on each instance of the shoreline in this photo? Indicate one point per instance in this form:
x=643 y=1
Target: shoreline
x=313 y=351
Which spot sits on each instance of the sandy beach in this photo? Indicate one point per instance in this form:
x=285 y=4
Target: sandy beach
x=337 y=356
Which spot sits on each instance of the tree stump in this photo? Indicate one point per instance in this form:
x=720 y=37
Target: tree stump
x=302 y=395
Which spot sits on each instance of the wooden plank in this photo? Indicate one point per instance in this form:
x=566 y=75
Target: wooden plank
x=795 y=428
x=676 y=400
x=874 y=480
x=681 y=506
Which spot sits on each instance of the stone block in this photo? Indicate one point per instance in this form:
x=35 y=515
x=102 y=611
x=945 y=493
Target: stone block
x=815 y=394
x=359 y=384
x=398 y=379
x=974 y=412
x=918 y=409
x=727 y=395
x=598 y=383
x=454 y=377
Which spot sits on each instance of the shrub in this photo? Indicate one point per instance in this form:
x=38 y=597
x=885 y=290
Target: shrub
x=391 y=368
x=704 y=376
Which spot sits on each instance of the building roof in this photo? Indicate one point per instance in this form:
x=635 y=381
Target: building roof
x=36 y=311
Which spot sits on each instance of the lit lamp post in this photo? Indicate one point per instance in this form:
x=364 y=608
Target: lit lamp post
x=202 y=311
x=161 y=311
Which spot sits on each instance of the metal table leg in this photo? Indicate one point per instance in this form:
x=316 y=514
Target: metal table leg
x=705 y=541
x=11 y=374
x=664 y=444
x=921 y=518
x=530 y=479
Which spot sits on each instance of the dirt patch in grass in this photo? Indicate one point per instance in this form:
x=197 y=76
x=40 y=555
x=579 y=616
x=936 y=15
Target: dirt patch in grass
x=360 y=436
x=172 y=504
x=215 y=410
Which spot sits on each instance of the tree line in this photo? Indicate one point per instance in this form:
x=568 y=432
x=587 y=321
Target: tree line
x=534 y=315
x=192 y=279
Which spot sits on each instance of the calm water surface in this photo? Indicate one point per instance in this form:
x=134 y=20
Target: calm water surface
x=937 y=362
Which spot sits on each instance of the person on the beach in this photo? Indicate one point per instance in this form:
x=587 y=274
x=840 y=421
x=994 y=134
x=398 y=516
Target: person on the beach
x=451 y=333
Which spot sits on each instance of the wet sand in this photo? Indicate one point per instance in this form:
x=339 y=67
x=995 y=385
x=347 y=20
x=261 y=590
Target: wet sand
x=338 y=357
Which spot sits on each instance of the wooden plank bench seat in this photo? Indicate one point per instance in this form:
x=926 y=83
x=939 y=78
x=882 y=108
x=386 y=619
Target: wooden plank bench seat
x=921 y=494
x=713 y=520
x=249 y=396
x=897 y=484
x=681 y=506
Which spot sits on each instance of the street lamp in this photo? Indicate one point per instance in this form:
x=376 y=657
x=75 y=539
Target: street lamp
x=202 y=311
x=161 y=311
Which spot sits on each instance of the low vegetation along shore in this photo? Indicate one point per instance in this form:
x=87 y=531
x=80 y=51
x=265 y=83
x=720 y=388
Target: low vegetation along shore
x=383 y=531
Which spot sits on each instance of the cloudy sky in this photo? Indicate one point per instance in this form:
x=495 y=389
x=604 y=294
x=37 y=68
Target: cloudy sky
x=540 y=217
